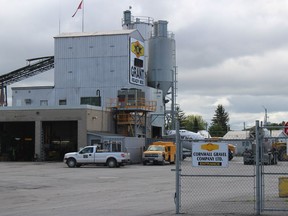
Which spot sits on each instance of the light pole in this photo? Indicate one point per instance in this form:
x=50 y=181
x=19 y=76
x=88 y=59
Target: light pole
x=173 y=91
x=265 y=116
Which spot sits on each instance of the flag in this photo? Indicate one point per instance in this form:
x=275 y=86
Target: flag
x=78 y=8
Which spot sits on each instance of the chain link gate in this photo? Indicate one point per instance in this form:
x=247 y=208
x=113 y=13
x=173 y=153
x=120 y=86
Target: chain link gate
x=236 y=189
x=273 y=180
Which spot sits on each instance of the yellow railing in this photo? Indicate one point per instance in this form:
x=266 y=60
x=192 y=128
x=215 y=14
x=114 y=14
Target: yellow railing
x=126 y=118
x=140 y=104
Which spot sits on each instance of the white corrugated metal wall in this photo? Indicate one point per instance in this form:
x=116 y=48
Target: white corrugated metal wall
x=90 y=63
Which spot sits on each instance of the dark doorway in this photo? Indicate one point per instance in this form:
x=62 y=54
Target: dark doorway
x=156 y=132
x=59 y=137
x=17 y=141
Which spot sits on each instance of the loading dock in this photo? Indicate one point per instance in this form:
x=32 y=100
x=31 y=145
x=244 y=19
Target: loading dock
x=46 y=134
x=59 y=137
x=17 y=141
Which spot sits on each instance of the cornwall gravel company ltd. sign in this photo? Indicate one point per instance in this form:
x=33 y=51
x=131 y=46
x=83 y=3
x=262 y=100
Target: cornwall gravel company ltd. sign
x=210 y=154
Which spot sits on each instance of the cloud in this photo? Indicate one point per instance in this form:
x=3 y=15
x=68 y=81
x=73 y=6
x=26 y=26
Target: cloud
x=228 y=52
x=247 y=75
x=223 y=101
x=231 y=29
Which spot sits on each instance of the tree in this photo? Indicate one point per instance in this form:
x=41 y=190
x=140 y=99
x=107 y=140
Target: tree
x=194 y=123
x=178 y=114
x=275 y=126
x=181 y=116
x=219 y=125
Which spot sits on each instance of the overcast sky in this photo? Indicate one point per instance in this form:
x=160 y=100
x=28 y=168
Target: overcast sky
x=229 y=52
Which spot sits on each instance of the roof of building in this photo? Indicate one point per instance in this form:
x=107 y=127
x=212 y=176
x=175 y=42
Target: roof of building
x=277 y=133
x=89 y=34
x=245 y=134
x=51 y=108
x=31 y=87
x=236 y=135
x=103 y=134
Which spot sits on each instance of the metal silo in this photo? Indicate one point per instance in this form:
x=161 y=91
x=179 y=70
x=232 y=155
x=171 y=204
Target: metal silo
x=143 y=24
x=161 y=63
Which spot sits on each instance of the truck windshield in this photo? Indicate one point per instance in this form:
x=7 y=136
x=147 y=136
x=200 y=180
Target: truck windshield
x=156 y=148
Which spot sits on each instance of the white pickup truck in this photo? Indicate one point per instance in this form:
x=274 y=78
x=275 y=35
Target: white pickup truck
x=96 y=155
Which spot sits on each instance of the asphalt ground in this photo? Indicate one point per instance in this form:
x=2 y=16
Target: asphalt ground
x=45 y=189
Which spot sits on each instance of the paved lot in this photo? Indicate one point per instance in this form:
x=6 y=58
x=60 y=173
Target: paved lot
x=42 y=189
x=45 y=189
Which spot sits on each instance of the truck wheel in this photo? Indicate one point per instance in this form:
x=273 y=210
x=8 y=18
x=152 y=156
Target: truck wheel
x=173 y=162
x=144 y=163
x=111 y=163
x=71 y=162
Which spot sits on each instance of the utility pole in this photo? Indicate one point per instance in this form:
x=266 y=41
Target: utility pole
x=265 y=116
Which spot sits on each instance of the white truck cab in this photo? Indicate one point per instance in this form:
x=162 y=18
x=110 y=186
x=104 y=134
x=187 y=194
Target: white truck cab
x=95 y=155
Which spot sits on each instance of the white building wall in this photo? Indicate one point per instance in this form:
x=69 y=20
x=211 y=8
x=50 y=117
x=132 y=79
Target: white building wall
x=90 y=61
x=85 y=65
x=88 y=65
x=33 y=96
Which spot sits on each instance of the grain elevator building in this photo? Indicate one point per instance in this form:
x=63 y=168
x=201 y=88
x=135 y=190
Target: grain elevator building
x=106 y=88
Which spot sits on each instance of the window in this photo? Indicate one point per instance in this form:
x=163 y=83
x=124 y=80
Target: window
x=62 y=102
x=43 y=102
x=86 y=150
x=28 y=101
x=95 y=141
x=94 y=101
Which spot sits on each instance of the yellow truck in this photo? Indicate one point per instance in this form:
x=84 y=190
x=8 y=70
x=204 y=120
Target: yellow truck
x=231 y=147
x=160 y=152
x=231 y=151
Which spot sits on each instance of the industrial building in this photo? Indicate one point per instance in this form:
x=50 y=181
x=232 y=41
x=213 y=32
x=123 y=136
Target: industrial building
x=108 y=87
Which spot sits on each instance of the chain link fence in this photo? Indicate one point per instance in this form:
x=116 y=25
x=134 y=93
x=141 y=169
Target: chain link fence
x=210 y=190
x=274 y=178
x=254 y=181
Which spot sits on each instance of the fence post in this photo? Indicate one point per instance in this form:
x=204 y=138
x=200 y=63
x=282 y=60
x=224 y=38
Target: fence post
x=258 y=175
x=178 y=161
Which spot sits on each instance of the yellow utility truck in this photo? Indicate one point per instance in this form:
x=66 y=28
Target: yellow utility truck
x=160 y=152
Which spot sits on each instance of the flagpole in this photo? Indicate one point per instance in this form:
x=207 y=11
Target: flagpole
x=80 y=6
x=83 y=16
x=59 y=21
